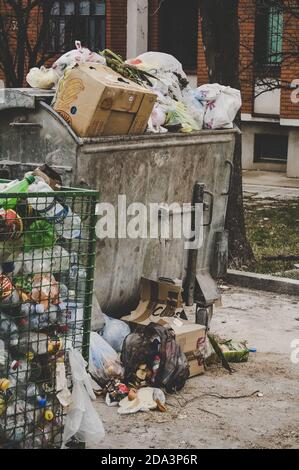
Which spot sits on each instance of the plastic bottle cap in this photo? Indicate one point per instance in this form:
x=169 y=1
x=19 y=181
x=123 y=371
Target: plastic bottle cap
x=41 y=402
x=4 y=384
x=49 y=415
x=29 y=356
x=30 y=178
x=15 y=364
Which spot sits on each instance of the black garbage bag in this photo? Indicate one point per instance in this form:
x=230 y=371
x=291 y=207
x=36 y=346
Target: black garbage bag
x=144 y=346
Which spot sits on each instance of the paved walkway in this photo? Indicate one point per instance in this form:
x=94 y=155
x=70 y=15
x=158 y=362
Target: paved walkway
x=270 y=184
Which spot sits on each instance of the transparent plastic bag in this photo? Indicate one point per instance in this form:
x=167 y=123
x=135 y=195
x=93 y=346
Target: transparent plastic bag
x=104 y=363
x=178 y=115
x=195 y=108
x=114 y=332
x=82 y=421
x=97 y=316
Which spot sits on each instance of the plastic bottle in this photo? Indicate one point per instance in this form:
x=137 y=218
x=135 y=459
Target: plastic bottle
x=19 y=417
x=46 y=206
x=19 y=373
x=73 y=320
x=16 y=186
x=61 y=259
x=42 y=261
x=63 y=292
x=33 y=262
x=38 y=320
x=70 y=227
x=38 y=344
x=77 y=279
x=34 y=343
x=47 y=436
x=29 y=309
x=35 y=440
x=155 y=368
x=33 y=396
x=8 y=330
x=3 y=357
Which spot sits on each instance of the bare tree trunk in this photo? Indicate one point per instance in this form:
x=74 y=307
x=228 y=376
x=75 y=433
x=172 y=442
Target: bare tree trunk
x=221 y=38
x=17 y=54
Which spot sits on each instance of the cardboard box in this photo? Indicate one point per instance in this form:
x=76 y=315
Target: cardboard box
x=95 y=101
x=161 y=303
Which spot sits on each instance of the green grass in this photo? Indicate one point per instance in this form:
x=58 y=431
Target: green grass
x=273 y=229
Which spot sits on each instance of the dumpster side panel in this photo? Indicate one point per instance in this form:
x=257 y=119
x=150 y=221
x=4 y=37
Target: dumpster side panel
x=31 y=137
x=154 y=171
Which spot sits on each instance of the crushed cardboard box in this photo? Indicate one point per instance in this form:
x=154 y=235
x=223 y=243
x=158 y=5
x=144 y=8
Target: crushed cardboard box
x=95 y=100
x=161 y=302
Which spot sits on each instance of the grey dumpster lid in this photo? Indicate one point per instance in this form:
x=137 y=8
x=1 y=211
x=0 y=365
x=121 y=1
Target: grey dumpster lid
x=23 y=97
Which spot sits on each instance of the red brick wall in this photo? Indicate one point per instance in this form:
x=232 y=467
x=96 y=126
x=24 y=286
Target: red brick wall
x=116 y=26
x=290 y=67
x=247 y=35
x=202 y=69
x=153 y=25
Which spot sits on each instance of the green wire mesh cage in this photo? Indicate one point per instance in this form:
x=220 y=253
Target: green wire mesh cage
x=47 y=252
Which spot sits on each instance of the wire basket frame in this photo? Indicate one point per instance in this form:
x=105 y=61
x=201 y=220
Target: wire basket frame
x=47 y=254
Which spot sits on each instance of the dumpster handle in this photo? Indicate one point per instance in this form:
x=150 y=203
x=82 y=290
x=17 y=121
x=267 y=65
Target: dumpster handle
x=26 y=124
x=231 y=165
x=211 y=207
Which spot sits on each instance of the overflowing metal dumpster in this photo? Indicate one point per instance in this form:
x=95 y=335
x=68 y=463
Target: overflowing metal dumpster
x=150 y=168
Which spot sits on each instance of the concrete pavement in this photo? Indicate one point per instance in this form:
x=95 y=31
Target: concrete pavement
x=270 y=184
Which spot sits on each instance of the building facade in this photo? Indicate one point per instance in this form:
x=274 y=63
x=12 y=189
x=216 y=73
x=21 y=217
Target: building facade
x=269 y=59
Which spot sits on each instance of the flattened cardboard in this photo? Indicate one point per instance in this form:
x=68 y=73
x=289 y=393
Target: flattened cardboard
x=95 y=100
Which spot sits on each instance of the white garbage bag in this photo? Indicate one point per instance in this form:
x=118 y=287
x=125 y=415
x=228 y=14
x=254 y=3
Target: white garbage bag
x=221 y=105
x=156 y=62
x=76 y=56
x=42 y=78
x=170 y=77
x=82 y=421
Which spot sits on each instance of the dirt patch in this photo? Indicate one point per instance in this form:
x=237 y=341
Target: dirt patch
x=273 y=229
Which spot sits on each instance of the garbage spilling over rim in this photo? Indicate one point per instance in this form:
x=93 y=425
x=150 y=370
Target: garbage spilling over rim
x=100 y=94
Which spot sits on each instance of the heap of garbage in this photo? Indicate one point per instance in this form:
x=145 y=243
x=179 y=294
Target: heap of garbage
x=42 y=290
x=135 y=361
x=148 y=93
